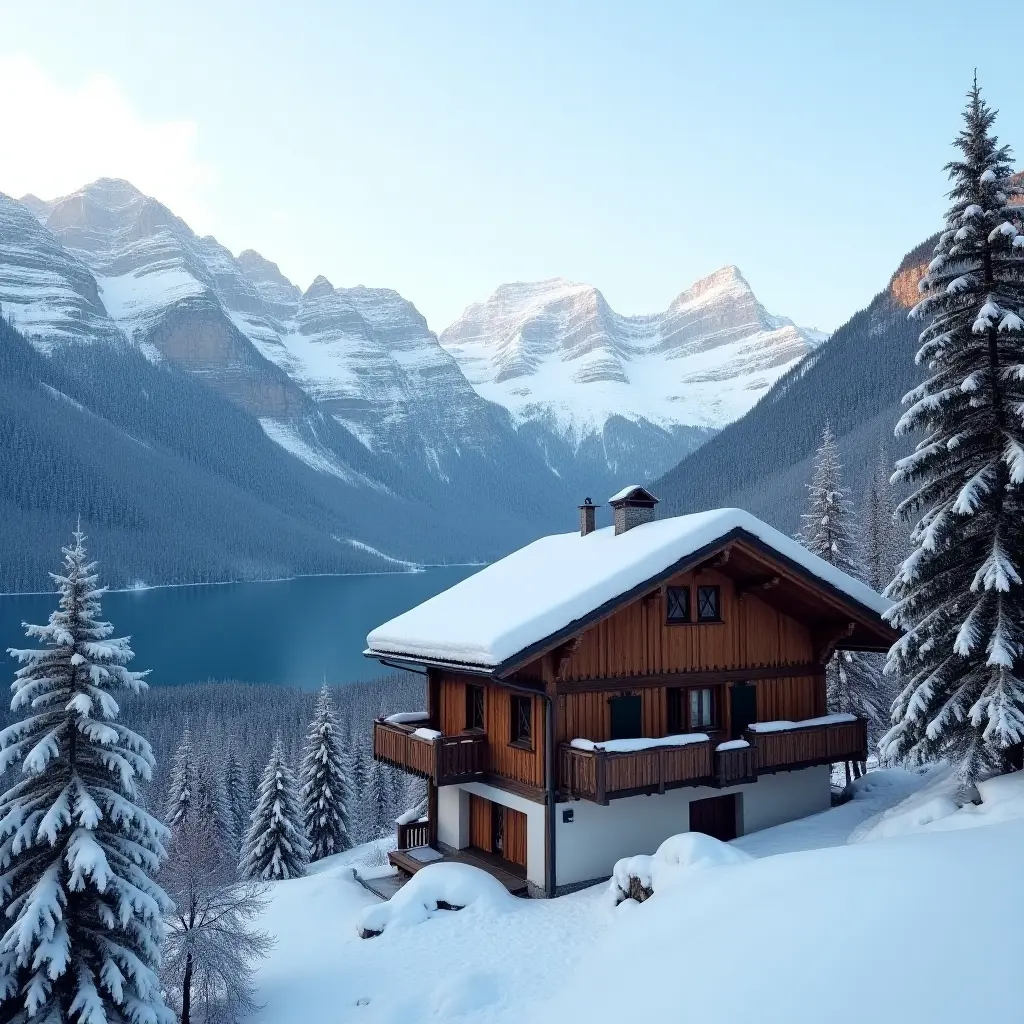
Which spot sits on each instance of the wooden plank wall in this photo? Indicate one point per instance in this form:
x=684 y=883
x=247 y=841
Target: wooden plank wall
x=480 y=834
x=526 y=766
x=588 y=715
x=637 y=641
x=515 y=837
x=790 y=698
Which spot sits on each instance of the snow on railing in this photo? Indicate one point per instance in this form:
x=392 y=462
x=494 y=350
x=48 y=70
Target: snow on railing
x=407 y=717
x=808 y=723
x=640 y=743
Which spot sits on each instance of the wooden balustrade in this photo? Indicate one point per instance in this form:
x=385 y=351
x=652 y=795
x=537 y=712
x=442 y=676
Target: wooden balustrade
x=601 y=775
x=442 y=759
x=735 y=766
x=413 y=834
x=811 y=745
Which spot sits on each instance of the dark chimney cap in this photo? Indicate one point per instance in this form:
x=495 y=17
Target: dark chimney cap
x=633 y=496
x=587 y=503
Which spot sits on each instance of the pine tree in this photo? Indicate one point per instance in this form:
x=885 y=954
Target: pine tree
x=213 y=805
x=275 y=845
x=878 y=537
x=181 y=792
x=959 y=595
x=77 y=852
x=827 y=523
x=323 y=783
x=853 y=680
x=236 y=792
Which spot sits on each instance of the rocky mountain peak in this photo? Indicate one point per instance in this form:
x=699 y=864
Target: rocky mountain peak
x=259 y=268
x=725 y=279
x=319 y=288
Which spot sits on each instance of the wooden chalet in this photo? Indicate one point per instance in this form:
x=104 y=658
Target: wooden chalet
x=594 y=693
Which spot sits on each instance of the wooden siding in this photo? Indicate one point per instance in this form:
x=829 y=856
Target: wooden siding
x=637 y=641
x=515 y=837
x=480 y=834
x=790 y=699
x=511 y=762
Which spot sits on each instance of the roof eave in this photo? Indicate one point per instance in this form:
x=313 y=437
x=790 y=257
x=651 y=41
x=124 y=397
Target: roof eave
x=415 y=660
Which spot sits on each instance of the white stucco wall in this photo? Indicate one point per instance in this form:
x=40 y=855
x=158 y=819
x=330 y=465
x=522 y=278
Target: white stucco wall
x=597 y=837
x=453 y=821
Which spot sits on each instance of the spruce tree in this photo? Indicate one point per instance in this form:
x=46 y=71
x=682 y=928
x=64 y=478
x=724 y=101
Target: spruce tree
x=878 y=537
x=236 y=792
x=323 y=783
x=77 y=852
x=181 y=791
x=275 y=845
x=827 y=529
x=853 y=680
x=959 y=596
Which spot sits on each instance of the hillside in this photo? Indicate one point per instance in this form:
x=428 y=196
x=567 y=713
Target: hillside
x=831 y=889
x=855 y=381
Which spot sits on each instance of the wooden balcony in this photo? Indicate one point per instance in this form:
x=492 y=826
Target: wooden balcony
x=810 y=745
x=443 y=760
x=602 y=775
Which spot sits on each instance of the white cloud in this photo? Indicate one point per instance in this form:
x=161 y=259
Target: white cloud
x=58 y=137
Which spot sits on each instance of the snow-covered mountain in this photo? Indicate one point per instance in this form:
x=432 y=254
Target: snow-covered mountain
x=557 y=356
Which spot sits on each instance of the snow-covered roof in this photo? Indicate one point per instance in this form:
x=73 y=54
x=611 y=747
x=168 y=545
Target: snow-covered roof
x=628 y=491
x=542 y=588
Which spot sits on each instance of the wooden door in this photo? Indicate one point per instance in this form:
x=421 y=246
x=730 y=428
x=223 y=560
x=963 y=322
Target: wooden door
x=742 y=707
x=480 y=824
x=715 y=817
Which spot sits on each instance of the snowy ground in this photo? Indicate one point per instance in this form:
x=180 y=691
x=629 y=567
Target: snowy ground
x=896 y=886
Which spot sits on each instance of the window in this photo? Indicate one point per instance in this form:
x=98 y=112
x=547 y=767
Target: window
x=474 y=706
x=701 y=708
x=626 y=717
x=708 y=605
x=677 y=604
x=522 y=721
x=676 y=711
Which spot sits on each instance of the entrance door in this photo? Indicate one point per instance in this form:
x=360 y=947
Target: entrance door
x=742 y=707
x=715 y=817
x=627 y=721
x=497 y=830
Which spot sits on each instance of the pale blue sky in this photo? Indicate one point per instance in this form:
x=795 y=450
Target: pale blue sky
x=444 y=148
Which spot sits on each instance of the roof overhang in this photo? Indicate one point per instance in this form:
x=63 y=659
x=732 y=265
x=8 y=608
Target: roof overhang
x=845 y=607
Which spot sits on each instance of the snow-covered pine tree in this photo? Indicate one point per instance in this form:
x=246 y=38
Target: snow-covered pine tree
x=77 y=852
x=959 y=595
x=275 y=846
x=323 y=783
x=827 y=529
x=213 y=804
x=853 y=681
x=879 y=543
x=181 y=791
x=236 y=792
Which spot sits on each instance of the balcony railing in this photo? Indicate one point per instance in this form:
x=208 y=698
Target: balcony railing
x=808 y=745
x=442 y=759
x=603 y=775
x=411 y=834
x=600 y=775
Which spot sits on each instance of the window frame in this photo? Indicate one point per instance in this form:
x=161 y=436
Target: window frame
x=473 y=691
x=717 y=591
x=690 y=693
x=678 y=621
x=516 y=704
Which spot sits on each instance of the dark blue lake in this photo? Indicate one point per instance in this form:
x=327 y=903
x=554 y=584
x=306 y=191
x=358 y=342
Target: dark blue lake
x=290 y=632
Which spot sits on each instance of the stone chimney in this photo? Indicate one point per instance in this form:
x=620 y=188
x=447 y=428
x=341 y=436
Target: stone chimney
x=588 y=521
x=633 y=506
